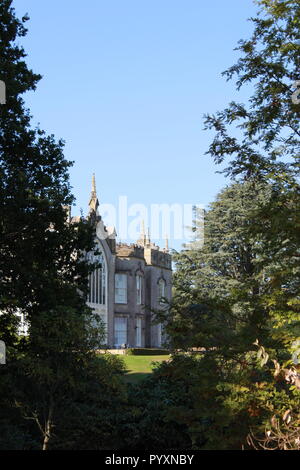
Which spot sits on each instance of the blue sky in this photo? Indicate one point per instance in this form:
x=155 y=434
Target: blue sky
x=126 y=84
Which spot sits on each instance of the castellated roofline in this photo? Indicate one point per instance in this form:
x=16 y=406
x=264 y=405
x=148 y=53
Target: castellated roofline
x=151 y=254
x=129 y=250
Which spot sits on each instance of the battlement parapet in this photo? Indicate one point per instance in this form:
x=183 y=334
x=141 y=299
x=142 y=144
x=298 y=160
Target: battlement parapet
x=129 y=251
x=157 y=257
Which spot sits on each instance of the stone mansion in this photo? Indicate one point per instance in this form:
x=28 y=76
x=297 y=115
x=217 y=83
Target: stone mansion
x=130 y=283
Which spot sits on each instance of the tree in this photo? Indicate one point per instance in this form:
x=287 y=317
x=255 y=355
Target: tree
x=43 y=270
x=226 y=304
x=219 y=286
x=36 y=242
x=268 y=137
x=268 y=146
x=244 y=283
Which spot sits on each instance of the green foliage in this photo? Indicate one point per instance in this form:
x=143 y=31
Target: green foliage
x=182 y=405
x=37 y=248
x=146 y=352
x=268 y=128
x=145 y=423
x=87 y=417
x=220 y=287
x=52 y=378
x=235 y=313
x=85 y=400
x=268 y=146
x=241 y=288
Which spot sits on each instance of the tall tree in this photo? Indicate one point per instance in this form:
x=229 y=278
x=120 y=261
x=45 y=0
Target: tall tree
x=268 y=138
x=268 y=145
x=245 y=281
x=34 y=182
x=233 y=294
x=220 y=286
x=43 y=270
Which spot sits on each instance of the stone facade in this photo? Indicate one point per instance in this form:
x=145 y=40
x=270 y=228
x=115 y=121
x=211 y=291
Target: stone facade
x=129 y=286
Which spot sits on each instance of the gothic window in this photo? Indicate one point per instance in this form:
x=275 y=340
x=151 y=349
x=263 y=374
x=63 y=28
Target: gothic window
x=97 y=280
x=121 y=288
x=139 y=281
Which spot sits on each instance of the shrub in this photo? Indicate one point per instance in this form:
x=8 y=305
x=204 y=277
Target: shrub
x=146 y=352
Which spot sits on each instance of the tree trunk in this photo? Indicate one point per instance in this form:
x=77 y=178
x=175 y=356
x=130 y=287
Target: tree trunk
x=48 y=427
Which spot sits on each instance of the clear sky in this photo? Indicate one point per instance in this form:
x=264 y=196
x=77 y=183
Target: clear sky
x=126 y=84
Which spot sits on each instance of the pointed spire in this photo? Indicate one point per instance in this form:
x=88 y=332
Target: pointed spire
x=143 y=233
x=93 y=184
x=94 y=203
x=142 y=240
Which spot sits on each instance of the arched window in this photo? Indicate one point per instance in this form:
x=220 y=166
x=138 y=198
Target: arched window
x=97 y=280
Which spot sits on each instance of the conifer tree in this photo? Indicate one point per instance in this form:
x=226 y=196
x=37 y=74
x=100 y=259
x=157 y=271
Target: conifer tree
x=238 y=296
x=34 y=187
x=268 y=139
x=267 y=146
x=43 y=273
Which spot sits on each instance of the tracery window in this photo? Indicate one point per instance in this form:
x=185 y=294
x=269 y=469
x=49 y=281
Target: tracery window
x=97 y=280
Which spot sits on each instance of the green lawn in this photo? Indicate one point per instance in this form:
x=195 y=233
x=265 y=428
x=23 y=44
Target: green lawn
x=139 y=367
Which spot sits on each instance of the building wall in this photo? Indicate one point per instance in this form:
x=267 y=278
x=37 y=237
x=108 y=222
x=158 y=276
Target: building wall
x=153 y=275
x=132 y=267
x=144 y=259
x=152 y=265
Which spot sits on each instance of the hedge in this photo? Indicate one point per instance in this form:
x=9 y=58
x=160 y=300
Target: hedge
x=146 y=352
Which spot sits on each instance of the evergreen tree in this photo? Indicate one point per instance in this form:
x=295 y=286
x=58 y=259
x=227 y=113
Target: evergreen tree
x=268 y=146
x=43 y=274
x=219 y=286
x=233 y=295
x=268 y=139
x=245 y=281
x=34 y=186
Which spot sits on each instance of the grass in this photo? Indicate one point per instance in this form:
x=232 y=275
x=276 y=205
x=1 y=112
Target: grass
x=140 y=367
